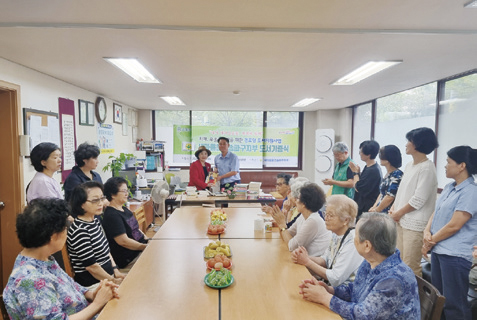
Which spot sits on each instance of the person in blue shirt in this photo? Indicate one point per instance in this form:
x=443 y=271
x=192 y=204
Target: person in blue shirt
x=384 y=287
x=451 y=232
x=227 y=165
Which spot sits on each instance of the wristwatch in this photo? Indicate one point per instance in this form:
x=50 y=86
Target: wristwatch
x=356 y=173
x=282 y=229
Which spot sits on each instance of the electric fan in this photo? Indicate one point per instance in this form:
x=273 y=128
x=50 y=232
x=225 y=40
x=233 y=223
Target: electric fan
x=159 y=194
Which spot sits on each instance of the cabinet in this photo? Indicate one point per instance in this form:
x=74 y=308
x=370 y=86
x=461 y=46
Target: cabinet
x=154 y=155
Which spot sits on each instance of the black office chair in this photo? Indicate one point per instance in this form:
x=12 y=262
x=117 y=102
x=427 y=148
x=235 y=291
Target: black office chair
x=432 y=302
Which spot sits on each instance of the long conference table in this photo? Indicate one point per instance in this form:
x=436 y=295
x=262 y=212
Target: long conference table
x=167 y=281
x=218 y=201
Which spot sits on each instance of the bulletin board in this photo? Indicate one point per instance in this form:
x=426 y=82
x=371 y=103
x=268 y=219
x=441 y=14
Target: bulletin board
x=41 y=126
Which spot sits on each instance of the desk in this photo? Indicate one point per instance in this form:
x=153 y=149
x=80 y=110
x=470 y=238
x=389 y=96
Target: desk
x=186 y=223
x=192 y=223
x=266 y=284
x=167 y=282
x=185 y=200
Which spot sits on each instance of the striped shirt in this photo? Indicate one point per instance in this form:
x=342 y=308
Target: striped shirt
x=87 y=245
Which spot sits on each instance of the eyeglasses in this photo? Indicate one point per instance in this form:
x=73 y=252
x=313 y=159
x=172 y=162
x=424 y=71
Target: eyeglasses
x=124 y=191
x=97 y=201
x=329 y=215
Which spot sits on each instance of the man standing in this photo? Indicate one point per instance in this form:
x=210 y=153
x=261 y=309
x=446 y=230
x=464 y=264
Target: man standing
x=227 y=164
x=342 y=181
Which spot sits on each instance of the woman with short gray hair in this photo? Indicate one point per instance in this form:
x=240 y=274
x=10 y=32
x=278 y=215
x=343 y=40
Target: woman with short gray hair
x=385 y=287
x=341 y=260
x=342 y=181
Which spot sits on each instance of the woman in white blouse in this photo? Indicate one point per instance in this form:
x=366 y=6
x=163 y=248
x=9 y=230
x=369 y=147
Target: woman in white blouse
x=341 y=260
x=309 y=230
x=416 y=197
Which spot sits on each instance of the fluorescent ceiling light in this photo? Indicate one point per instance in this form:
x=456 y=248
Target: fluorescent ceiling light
x=134 y=69
x=471 y=4
x=365 y=71
x=173 y=101
x=305 y=102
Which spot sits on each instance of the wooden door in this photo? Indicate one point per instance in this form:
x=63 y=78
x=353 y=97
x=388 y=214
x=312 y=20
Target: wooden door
x=11 y=177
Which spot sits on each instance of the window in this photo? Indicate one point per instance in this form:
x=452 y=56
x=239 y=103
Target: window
x=457 y=114
x=177 y=148
x=399 y=113
x=273 y=143
x=361 y=130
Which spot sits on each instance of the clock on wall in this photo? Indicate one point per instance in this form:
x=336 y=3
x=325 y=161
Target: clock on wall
x=100 y=106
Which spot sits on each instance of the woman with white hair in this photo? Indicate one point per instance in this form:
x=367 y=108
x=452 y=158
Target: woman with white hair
x=341 y=260
x=343 y=178
x=290 y=210
x=384 y=288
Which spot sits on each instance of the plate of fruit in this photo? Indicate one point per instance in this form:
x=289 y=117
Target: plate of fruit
x=218 y=214
x=218 y=262
x=216 y=229
x=215 y=248
x=219 y=279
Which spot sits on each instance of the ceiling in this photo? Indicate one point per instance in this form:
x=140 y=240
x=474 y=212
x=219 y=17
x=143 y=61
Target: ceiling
x=274 y=52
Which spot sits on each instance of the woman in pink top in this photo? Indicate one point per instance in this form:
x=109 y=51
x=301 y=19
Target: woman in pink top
x=46 y=159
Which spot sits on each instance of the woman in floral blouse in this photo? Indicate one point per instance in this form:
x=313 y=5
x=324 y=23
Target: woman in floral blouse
x=384 y=288
x=391 y=159
x=38 y=288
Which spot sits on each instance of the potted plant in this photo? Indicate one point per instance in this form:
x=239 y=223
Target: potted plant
x=116 y=164
x=230 y=191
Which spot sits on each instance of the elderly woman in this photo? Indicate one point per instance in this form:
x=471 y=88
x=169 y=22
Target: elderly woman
x=341 y=260
x=416 y=197
x=343 y=178
x=289 y=209
x=87 y=244
x=46 y=159
x=86 y=158
x=309 y=230
x=384 y=288
x=283 y=188
x=452 y=232
x=390 y=157
x=199 y=169
x=125 y=238
x=38 y=288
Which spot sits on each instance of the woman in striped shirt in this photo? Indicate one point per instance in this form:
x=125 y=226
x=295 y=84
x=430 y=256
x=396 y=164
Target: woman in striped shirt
x=87 y=244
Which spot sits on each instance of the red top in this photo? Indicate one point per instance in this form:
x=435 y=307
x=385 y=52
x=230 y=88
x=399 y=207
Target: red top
x=197 y=176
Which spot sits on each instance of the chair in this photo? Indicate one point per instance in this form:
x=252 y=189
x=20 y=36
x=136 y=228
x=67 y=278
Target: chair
x=66 y=262
x=3 y=309
x=140 y=215
x=432 y=302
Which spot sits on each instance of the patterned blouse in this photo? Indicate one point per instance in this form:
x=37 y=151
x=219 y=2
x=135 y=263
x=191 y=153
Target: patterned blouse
x=389 y=291
x=389 y=186
x=42 y=290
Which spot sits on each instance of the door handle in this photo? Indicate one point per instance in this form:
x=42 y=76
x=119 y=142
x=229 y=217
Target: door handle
x=2 y=204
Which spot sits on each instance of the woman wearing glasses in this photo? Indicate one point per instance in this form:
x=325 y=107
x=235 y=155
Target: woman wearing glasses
x=125 y=238
x=86 y=242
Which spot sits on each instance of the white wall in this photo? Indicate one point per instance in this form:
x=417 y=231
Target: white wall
x=41 y=92
x=339 y=120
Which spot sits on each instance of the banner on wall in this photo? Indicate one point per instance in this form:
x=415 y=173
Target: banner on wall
x=106 y=138
x=277 y=147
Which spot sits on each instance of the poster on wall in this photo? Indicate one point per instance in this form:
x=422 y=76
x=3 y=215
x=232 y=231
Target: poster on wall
x=106 y=138
x=68 y=140
x=276 y=147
